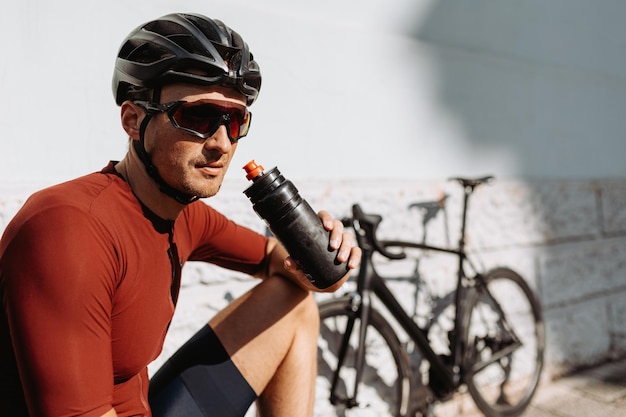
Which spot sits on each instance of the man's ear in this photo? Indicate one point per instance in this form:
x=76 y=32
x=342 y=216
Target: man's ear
x=131 y=115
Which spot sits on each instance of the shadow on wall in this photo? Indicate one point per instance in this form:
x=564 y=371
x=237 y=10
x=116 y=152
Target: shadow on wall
x=524 y=78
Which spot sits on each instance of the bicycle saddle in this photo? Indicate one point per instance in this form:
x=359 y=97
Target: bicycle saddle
x=472 y=182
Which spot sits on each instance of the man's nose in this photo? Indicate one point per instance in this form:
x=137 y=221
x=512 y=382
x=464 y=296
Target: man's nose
x=219 y=140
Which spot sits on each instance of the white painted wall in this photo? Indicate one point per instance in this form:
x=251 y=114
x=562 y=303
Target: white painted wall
x=351 y=89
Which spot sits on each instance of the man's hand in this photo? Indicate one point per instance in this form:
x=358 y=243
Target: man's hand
x=343 y=242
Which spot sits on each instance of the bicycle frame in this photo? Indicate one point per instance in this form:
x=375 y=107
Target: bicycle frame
x=369 y=281
x=372 y=282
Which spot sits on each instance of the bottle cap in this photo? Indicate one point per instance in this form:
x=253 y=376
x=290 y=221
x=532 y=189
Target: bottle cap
x=253 y=170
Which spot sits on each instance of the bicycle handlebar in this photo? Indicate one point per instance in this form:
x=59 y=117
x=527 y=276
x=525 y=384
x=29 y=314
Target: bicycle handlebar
x=365 y=226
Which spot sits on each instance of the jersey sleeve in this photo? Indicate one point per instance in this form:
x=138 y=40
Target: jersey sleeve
x=58 y=281
x=216 y=239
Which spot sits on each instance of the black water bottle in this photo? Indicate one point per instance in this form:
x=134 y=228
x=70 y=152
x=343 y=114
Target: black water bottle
x=292 y=220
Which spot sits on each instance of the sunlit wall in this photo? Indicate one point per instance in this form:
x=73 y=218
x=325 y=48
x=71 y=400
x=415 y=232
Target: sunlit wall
x=351 y=89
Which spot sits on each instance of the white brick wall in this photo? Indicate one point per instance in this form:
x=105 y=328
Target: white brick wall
x=568 y=238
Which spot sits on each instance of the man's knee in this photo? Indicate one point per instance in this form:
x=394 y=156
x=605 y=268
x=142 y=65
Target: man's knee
x=309 y=312
x=305 y=308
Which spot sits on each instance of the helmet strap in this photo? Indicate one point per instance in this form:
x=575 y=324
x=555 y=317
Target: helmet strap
x=151 y=169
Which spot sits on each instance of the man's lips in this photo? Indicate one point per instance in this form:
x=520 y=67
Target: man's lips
x=213 y=168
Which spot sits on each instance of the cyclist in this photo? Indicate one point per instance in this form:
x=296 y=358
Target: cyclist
x=90 y=269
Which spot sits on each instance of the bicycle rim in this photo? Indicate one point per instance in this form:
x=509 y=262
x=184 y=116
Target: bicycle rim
x=384 y=388
x=504 y=335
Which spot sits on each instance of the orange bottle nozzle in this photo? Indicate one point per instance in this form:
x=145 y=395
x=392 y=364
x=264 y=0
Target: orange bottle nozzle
x=253 y=170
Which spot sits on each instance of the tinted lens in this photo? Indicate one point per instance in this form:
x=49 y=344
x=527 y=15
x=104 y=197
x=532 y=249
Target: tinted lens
x=204 y=119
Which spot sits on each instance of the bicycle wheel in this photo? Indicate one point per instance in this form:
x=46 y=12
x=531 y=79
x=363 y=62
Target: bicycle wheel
x=384 y=388
x=505 y=336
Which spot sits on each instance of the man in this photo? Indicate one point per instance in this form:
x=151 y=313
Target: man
x=90 y=269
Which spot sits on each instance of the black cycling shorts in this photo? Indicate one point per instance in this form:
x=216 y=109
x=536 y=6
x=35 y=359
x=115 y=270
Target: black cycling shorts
x=200 y=380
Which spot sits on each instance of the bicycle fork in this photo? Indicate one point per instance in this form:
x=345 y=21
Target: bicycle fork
x=361 y=305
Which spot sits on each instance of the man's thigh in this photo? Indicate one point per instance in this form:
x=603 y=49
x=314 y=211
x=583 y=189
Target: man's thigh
x=259 y=328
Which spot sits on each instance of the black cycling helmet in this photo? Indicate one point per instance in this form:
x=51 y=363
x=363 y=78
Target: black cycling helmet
x=188 y=48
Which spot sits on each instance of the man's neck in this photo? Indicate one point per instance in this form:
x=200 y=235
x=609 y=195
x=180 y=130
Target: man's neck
x=146 y=189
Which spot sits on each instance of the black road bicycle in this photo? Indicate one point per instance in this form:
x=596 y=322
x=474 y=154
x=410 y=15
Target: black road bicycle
x=494 y=349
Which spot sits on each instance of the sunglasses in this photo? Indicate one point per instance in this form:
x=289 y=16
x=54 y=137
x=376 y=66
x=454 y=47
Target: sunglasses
x=202 y=119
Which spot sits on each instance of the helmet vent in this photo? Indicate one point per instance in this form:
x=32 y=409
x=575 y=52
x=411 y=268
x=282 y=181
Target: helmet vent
x=189 y=43
x=164 y=28
x=214 y=30
x=177 y=34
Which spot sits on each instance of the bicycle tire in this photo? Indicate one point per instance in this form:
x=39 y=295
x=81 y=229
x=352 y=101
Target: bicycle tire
x=385 y=386
x=501 y=376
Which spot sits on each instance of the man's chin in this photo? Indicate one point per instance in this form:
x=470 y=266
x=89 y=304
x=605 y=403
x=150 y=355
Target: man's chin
x=206 y=191
x=208 y=194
